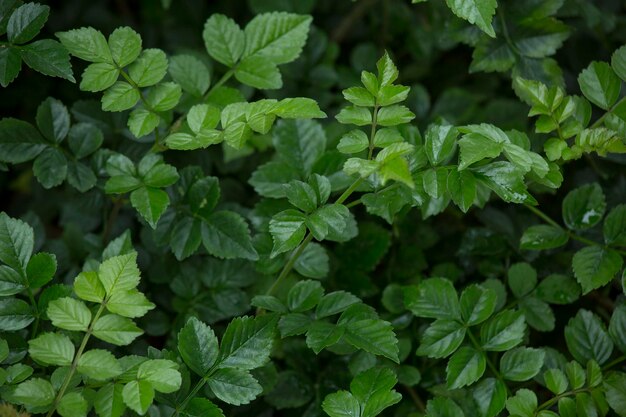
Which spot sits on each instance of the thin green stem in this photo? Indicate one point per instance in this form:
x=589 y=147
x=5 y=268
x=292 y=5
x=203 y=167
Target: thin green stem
x=571 y=234
x=373 y=132
x=609 y=111
x=136 y=87
x=191 y=395
x=33 y=303
x=79 y=353
x=614 y=362
x=289 y=265
x=549 y=403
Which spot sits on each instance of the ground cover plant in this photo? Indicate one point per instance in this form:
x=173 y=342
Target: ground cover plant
x=313 y=208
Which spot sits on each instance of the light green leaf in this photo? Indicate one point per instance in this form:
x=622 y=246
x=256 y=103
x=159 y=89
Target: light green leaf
x=35 y=392
x=287 y=229
x=341 y=404
x=69 y=314
x=109 y=401
x=142 y=122
x=474 y=147
x=52 y=349
x=277 y=36
x=522 y=404
x=121 y=96
x=198 y=346
x=149 y=68
x=234 y=386
x=164 y=96
x=223 y=39
x=73 y=404
x=190 y=73
x=600 y=85
x=259 y=72
x=125 y=46
x=394 y=115
x=87 y=44
x=138 y=396
x=119 y=273
x=595 y=266
x=14 y=314
x=440 y=142
x=99 y=77
x=99 y=364
x=353 y=115
x=162 y=374
x=465 y=367
x=556 y=381
x=116 y=330
x=521 y=364
x=129 y=303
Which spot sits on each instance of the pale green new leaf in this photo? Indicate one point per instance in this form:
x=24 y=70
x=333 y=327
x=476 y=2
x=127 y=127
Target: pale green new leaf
x=69 y=314
x=52 y=349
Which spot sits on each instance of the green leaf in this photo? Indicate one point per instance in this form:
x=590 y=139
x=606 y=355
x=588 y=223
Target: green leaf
x=374 y=390
x=490 y=397
x=86 y=43
x=99 y=77
x=142 y=122
x=198 y=346
x=69 y=314
x=129 y=303
x=225 y=234
x=614 y=226
x=301 y=195
x=394 y=115
x=304 y=296
x=477 y=12
x=162 y=374
x=11 y=282
x=440 y=142
x=334 y=303
x=201 y=407
x=116 y=330
x=321 y=335
x=556 y=381
x=149 y=68
x=277 y=36
x=587 y=338
x=373 y=336
x=443 y=407
x=150 y=203
x=441 y=339
x=359 y=96
x=558 y=289
x=121 y=96
x=314 y=262
x=521 y=364
x=16 y=242
x=73 y=404
x=297 y=108
x=584 y=207
x=477 y=304
x=125 y=46
x=138 y=396
x=522 y=404
x=522 y=279
x=19 y=141
x=164 y=96
x=247 y=342
x=329 y=222
x=595 y=266
x=600 y=85
x=259 y=72
x=465 y=367
x=433 y=298
x=474 y=147
x=53 y=120
x=109 y=401
x=99 y=364
x=617 y=327
x=119 y=273
x=52 y=349
x=234 y=386
x=26 y=22
x=190 y=73
x=10 y=65
x=287 y=229
x=49 y=58
x=300 y=144
x=50 y=167
x=353 y=115
x=84 y=139
x=615 y=388
x=35 y=392
x=503 y=331
x=224 y=40
x=341 y=404
x=14 y=314
x=538 y=314
x=506 y=180
x=543 y=237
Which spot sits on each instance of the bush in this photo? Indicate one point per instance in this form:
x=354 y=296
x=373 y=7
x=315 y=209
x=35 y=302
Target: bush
x=313 y=207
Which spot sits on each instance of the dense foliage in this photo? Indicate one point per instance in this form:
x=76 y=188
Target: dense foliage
x=313 y=208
